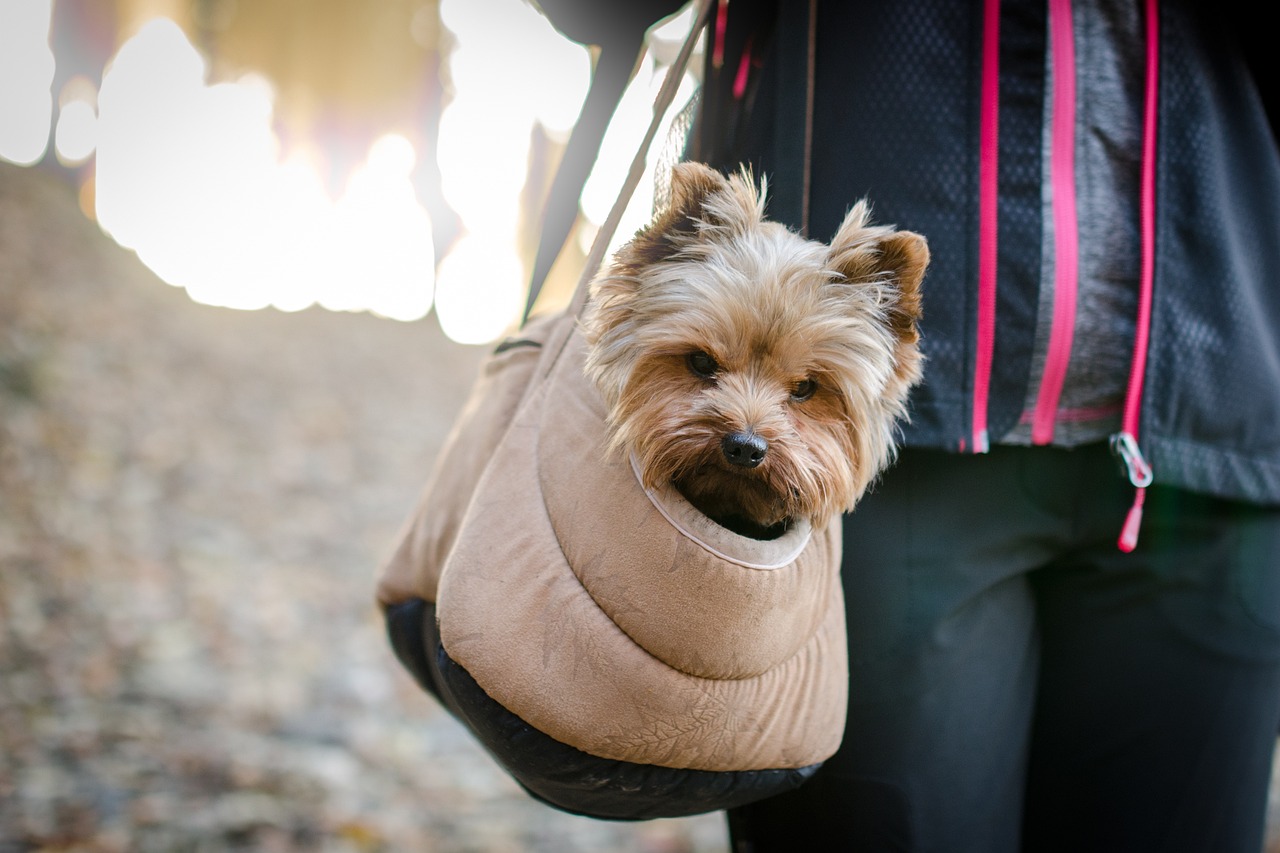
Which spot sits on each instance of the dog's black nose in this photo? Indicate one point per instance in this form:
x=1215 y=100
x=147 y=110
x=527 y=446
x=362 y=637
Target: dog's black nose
x=744 y=448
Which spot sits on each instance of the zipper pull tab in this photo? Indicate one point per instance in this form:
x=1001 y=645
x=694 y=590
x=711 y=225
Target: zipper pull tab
x=1138 y=470
x=1132 y=522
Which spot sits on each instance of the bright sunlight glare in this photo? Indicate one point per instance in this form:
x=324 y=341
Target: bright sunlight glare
x=480 y=291
x=510 y=71
x=76 y=135
x=26 y=78
x=190 y=174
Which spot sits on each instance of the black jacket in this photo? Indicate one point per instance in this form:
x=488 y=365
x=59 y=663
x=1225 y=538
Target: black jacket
x=885 y=100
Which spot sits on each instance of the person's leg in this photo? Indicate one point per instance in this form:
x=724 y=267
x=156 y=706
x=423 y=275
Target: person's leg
x=943 y=666
x=1160 y=689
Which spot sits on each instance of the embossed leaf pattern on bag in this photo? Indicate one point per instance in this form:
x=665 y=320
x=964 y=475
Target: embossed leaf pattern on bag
x=574 y=646
x=711 y=729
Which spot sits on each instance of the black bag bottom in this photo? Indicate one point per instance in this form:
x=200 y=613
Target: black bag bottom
x=560 y=775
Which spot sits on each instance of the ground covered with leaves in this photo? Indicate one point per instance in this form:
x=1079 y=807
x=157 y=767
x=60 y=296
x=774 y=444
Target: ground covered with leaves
x=193 y=506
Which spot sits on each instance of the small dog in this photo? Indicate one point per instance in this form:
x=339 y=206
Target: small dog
x=759 y=372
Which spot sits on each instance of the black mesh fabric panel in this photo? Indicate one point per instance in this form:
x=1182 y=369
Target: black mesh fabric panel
x=897 y=122
x=1216 y=325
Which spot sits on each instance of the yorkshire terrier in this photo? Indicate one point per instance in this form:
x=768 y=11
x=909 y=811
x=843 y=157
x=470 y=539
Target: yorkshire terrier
x=761 y=373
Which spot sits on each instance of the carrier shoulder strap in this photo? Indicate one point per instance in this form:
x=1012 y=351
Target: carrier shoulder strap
x=613 y=72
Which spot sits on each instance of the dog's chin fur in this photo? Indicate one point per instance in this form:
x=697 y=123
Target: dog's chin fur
x=774 y=312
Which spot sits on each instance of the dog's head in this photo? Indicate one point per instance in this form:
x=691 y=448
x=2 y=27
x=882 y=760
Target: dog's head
x=760 y=372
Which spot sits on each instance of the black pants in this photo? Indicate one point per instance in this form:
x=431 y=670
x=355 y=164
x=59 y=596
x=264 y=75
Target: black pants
x=1018 y=683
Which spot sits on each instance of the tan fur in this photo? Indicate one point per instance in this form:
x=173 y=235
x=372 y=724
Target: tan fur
x=772 y=309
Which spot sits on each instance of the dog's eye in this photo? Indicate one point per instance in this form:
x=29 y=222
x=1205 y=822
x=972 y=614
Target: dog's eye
x=804 y=389
x=702 y=364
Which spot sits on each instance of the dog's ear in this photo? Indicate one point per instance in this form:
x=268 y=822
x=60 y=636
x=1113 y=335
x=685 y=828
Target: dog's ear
x=895 y=262
x=733 y=206
x=878 y=254
x=904 y=256
x=692 y=187
x=704 y=204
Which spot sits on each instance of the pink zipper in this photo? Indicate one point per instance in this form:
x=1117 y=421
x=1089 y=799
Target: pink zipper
x=744 y=70
x=1125 y=442
x=987 y=180
x=717 y=44
x=1062 y=165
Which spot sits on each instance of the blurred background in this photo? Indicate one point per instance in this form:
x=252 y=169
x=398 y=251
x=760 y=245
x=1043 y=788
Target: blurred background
x=250 y=256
